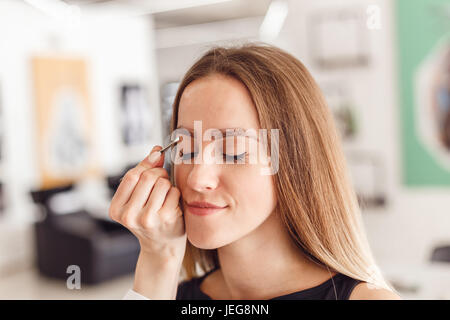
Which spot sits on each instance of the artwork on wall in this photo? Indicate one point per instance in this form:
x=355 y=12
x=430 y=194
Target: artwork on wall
x=2 y=197
x=168 y=93
x=2 y=200
x=366 y=168
x=1 y=130
x=65 y=125
x=136 y=115
x=368 y=176
x=342 y=106
x=424 y=63
x=432 y=95
x=338 y=38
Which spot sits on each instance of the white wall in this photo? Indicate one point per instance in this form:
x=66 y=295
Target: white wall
x=116 y=50
x=415 y=220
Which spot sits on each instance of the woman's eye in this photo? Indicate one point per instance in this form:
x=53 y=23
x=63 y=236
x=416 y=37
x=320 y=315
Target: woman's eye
x=186 y=156
x=227 y=158
x=234 y=158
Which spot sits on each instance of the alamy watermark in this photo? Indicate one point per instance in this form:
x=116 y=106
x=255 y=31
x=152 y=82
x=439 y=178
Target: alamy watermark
x=74 y=280
x=231 y=146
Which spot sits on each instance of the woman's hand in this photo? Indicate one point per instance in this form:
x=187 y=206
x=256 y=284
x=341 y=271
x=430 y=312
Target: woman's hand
x=148 y=205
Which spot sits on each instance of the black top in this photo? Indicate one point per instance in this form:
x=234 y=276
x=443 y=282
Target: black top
x=190 y=290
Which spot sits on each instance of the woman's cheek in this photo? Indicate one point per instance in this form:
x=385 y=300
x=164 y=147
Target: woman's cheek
x=255 y=191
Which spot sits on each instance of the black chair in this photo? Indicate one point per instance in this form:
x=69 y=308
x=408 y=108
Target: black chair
x=102 y=249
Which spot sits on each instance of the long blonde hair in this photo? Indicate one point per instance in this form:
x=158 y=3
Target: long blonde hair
x=315 y=197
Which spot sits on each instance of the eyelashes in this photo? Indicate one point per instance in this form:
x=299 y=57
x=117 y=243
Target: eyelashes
x=235 y=158
x=227 y=158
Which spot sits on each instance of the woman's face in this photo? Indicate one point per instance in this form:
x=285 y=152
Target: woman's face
x=222 y=102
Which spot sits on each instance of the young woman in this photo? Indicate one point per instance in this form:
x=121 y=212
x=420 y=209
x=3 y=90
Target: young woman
x=234 y=232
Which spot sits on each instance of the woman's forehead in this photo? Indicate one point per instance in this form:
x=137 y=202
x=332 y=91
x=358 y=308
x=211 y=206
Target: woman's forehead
x=217 y=103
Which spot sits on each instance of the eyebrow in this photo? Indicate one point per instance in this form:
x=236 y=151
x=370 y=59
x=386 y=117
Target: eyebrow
x=232 y=132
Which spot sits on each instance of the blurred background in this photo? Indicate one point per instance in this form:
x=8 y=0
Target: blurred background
x=86 y=89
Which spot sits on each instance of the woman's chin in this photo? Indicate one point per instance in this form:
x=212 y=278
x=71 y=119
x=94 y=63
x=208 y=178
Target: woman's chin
x=204 y=242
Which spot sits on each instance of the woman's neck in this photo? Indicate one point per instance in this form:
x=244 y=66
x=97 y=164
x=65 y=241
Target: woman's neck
x=266 y=263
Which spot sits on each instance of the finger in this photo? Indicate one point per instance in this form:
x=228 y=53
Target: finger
x=129 y=183
x=171 y=211
x=155 y=201
x=172 y=200
x=144 y=186
x=149 y=183
x=130 y=179
x=158 y=195
x=128 y=218
x=154 y=159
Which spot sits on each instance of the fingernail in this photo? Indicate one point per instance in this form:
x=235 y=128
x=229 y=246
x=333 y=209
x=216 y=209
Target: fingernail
x=154 y=156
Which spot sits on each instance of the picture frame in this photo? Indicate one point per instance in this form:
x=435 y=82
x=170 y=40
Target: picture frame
x=136 y=118
x=65 y=125
x=338 y=38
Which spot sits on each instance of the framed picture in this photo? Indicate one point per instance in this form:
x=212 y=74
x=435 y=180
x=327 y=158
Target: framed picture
x=2 y=197
x=343 y=108
x=369 y=177
x=2 y=200
x=136 y=115
x=1 y=130
x=424 y=77
x=338 y=38
x=65 y=125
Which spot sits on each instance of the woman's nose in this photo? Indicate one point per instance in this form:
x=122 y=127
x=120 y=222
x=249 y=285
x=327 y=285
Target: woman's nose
x=204 y=174
x=203 y=177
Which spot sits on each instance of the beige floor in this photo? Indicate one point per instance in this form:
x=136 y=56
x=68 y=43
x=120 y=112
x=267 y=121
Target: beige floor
x=28 y=284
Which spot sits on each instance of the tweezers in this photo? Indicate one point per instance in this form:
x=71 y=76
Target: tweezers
x=174 y=142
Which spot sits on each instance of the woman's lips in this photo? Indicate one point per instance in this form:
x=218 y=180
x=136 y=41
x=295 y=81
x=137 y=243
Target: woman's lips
x=202 y=209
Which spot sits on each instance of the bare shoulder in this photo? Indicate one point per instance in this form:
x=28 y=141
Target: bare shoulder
x=366 y=291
